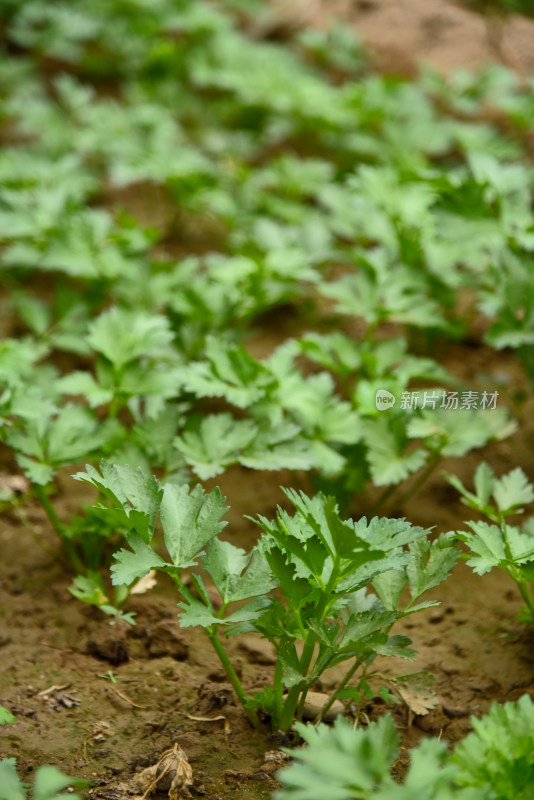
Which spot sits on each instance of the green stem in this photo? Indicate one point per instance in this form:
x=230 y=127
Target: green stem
x=233 y=678
x=211 y=633
x=341 y=685
x=50 y=512
x=290 y=705
x=184 y=591
x=114 y=406
x=370 y=332
x=59 y=529
x=527 y=597
x=294 y=694
x=278 y=688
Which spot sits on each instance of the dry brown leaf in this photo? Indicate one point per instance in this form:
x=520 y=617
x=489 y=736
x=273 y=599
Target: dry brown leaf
x=145 y=583
x=227 y=728
x=172 y=773
x=52 y=689
x=420 y=703
x=125 y=697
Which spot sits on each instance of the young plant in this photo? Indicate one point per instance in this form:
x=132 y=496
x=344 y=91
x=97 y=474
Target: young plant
x=322 y=567
x=45 y=438
x=342 y=762
x=501 y=544
x=499 y=752
x=89 y=588
x=49 y=784
x=135 y=361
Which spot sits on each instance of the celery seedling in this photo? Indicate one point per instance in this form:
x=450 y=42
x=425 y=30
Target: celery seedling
x=501 y=544
x=321 y=565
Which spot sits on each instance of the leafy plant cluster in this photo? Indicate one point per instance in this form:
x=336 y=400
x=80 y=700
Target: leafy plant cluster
x=499 y=543
x=356 y=202
x=494 y=762
x=49 y=784
x=338 y=582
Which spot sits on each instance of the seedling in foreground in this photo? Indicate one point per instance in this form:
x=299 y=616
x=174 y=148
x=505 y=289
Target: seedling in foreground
x=495 y=762
x=501 y=544
x=323 y=567
x=49 y=783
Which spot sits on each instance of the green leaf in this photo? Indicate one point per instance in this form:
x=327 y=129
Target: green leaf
x=6 y=717
x=431 y=563
x=236 y=574
x=388 y=534
x=196 y=613
x=229 y=372
x=454 y=432
x=396 y=646
x=296 y=590
x=389 y=586
x=484 y=482
x=512 y=490
x=336 y=351
x=83 y=383
x=49 y=782
x=279 y=447
x=496 y=547
x=122 y=335
x=190 y=521
x=209 y=444
x=474 y=500
x=11 y=787
x=90 y=589
x=498 y=753
x=339 y=538
x=36 y=472
x=289 y=661
x=341 y=762
x=388 y=459
x=73 y=434
x=247 y=613
x=129 y=566
x=135 y=498
x=361 y=626
x=55 y=438
x=487 y=545
x=317 y=410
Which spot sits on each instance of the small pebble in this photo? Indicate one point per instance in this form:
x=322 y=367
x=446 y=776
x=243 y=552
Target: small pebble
x=453 y=711
x=314 y=703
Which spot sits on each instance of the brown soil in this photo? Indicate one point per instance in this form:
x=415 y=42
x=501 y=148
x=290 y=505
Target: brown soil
x=406 y=33
x=102 y=702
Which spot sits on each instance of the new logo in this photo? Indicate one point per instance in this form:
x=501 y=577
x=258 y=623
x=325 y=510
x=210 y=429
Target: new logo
x=384 y=400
